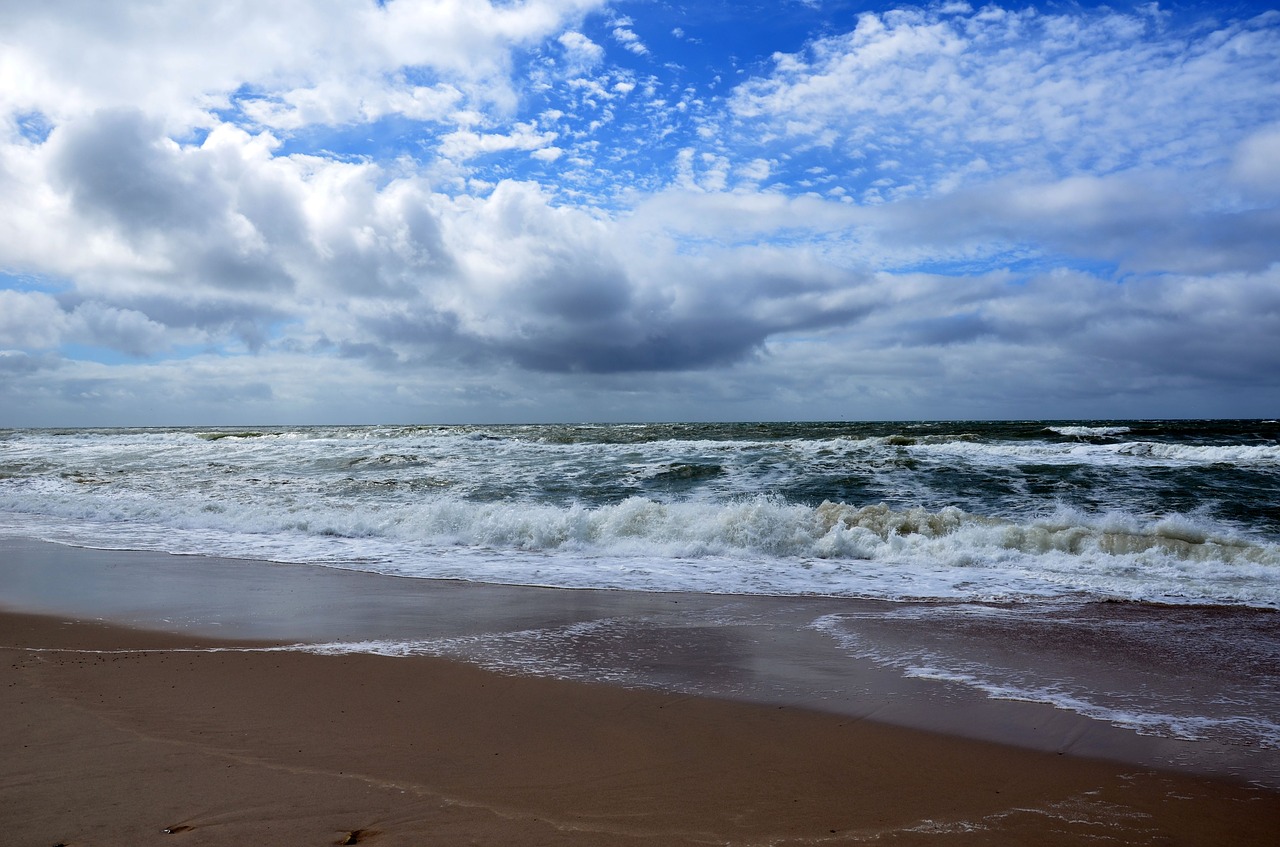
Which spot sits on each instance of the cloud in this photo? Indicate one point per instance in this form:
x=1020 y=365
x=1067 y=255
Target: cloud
x=227 y=240
x=1056 y=344
x=20 y=363
x=30 y=320
x=118 y=165
x=1084 y=92
x=126 y=330
x=581 y=53
x=626 y=36
x=1150 y=221
x=941 y=209
x=465 y=144
x=555 y=289
x=117 y=169
x=296 y=62
x=1255 y=167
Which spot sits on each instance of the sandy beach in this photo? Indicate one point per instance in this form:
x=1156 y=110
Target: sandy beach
x=121 y=736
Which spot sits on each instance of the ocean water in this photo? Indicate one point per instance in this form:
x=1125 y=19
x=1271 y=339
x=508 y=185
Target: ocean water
x=1125 y=557
x=1169 y=512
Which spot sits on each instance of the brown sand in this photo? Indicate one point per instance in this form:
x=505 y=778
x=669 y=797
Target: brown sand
x=154 y=744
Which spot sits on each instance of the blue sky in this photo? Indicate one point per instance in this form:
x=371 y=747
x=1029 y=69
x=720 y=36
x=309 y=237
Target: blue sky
x=463 y=210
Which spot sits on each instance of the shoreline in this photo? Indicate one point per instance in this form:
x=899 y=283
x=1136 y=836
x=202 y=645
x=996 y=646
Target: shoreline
x=150 y=736
x=754 y=649
x=745 y=648
x=764 y=650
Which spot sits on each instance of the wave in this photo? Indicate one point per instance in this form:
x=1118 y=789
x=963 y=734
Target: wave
x=753 y=545
x=1138 y=453
x=1240 y=454
x=1089 y=431
x=218 y=436
x=761 y=525
x=722 y=508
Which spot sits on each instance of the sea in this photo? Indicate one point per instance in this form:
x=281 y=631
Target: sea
x=1137 y=563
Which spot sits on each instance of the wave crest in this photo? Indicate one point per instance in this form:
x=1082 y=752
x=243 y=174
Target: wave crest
x=1089 y=431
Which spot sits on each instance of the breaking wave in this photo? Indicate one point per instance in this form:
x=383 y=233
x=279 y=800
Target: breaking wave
x=1089 y=431
x=1179 y=511
x=755 y=545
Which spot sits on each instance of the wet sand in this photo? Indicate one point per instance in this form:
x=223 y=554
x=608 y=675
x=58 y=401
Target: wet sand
x=143 y=701
x=757 y=649
x=118 y=736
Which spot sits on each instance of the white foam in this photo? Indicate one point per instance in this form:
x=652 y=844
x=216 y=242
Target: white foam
x=762 y=545
x=1089 y=431
x=535 y=652
x=1126 y=453
x=1143 y=721
x=1140 y=710
x=1201 y=454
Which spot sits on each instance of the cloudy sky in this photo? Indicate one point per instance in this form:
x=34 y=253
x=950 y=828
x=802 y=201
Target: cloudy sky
x=598 y=210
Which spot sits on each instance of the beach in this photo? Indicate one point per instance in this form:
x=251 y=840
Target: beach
x=134 y=735
x=148 y=738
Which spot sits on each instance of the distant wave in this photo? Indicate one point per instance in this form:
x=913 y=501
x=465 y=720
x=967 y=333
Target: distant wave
x=1129 y=452
x=1202 y=453
x=1089 y=431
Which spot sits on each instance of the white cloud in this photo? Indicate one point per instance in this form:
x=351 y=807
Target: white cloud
x=334 y=103
x=581 y=53
x=465 y=144
x=626 y=36
x=304 y=62
x=125 y=330
x=547 y=154
x=757 y=170
x=1080 y=92
x=1256 y=165
x=30 y=320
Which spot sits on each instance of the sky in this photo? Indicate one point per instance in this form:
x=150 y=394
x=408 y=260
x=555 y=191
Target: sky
x=452 y=211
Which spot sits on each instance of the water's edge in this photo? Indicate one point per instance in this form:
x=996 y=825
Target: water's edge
x=830 y=654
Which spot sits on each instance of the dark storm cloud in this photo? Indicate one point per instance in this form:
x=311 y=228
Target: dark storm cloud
x=717 y=331
x=592 y=315
x=579 y=295
x=1222 y=332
